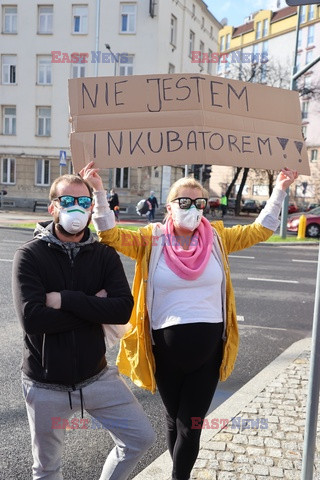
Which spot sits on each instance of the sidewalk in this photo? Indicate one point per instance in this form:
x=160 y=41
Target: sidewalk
x=15 y=217
x=276 y=399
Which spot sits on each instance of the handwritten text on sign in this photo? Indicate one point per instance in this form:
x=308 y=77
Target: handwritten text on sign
x=178 y=119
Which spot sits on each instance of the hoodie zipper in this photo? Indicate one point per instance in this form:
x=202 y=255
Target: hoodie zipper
x=72 y=333
x=43 y=359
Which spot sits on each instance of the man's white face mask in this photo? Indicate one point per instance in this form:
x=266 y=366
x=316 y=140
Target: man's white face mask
x=188 y=219
x=73 y=219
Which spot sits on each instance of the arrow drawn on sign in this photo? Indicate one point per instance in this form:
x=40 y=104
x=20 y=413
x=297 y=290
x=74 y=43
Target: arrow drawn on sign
x=299 y=146
x=283 y=142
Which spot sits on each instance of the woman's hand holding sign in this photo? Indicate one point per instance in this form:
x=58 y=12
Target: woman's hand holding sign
x=285 y=178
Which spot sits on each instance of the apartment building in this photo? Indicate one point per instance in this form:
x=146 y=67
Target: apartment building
x=45 y=43
x=271 y=35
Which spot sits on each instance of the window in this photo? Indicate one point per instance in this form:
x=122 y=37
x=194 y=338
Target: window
x=202 y=22
x=311 y=12
x=44 y=70
x=193 y=10
x=8 y=171
x=228 y=41
x=305 y=108
x=309 y=56
x=9 y=120
x=128 y=18
x=265 y=27
x=44 y=121
x=310 y=35
x=211 y=32
x=173 y=30
x=201 y=51
x=78 y=70
x=302 y=14
x=126 y=65
x=314 y=155
x=255 y=51
x=260 y=190
x=222 y=44
x=191 y=42
x=209 y=67
x=171 y=68
x=80 y=19
x=264 y=48
x=304 y=131
x=307 y=81
x=42 y=173
x=9 y=66
x=122 y=177
x=9 y=19
x=45 y=19
x=258 y=29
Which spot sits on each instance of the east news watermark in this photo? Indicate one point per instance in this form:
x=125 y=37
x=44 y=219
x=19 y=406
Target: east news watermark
x=197 y=423
x=58 y=56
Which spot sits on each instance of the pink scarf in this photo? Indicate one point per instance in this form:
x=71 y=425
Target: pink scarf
x=188 y=264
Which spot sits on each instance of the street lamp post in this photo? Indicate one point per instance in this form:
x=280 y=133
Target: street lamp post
x=115 y=59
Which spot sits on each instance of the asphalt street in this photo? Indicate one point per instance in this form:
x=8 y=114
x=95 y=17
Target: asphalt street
x=274 y=287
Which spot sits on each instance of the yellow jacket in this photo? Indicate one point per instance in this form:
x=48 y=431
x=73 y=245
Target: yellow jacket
x=135 y=358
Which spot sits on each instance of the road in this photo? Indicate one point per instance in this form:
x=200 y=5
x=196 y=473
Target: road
x=274 y=287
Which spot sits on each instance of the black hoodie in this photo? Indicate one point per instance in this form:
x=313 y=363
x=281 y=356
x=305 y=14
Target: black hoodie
x=66 y=346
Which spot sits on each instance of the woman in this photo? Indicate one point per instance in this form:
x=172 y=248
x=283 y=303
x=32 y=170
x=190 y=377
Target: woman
x=184 y=331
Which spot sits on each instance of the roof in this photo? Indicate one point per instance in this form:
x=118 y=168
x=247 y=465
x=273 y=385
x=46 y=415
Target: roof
x=245 y=28
x=283 y=13
x=276 y=16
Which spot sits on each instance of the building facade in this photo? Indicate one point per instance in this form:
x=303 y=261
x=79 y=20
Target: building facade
x=43 y=44
x=270 y=35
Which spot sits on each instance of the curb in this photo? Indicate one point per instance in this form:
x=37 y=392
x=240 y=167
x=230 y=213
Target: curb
x=160 y=468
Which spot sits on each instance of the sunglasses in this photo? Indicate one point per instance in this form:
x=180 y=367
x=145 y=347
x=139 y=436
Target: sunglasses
x=69 y=201
x=186 y=202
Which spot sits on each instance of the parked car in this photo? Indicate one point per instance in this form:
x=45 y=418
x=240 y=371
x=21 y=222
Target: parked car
x=213 y=202
x=231 y=204
x=250 y=206
x=262 y=205
x=313 y=222
x=292 y=208
x=311 y=206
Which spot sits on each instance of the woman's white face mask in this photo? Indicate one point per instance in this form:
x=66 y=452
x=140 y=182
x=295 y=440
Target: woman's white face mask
x=73 y=219
x=188 y=219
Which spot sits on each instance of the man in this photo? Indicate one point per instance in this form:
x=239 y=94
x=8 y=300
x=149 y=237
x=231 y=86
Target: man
x=114 y=203
x=154 y=203
x=223 y=204
x=65 y=286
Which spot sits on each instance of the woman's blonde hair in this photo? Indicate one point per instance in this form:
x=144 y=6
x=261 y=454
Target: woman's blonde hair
x=188 y=182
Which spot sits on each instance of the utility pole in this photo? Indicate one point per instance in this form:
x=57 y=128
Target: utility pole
x=314 y=378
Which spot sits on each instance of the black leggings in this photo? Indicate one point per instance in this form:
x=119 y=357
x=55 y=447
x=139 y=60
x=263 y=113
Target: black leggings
x=188 y=358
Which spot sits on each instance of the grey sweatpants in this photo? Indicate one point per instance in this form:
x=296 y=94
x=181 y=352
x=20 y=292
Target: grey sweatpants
x=108 y=400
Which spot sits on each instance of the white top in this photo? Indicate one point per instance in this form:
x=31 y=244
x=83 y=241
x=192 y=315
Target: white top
x=177 y=301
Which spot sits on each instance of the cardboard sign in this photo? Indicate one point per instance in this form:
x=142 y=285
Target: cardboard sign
x=184 y=119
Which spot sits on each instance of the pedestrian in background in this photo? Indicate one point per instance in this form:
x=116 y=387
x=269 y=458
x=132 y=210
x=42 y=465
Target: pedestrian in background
x=184 y=334
x=114 y=203
x=65 y=287
x=154 y=203
x=223 y=204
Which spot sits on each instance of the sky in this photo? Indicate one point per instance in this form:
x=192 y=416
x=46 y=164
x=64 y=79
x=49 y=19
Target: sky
x=236 y=10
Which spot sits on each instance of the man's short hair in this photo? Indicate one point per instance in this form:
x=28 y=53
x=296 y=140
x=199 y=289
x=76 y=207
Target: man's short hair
x=68 y=178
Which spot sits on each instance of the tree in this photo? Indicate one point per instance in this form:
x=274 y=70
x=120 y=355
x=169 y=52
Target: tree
x=269 y=73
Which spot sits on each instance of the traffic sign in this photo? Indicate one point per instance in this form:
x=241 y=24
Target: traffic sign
x=63 y=158
x=297 y=3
